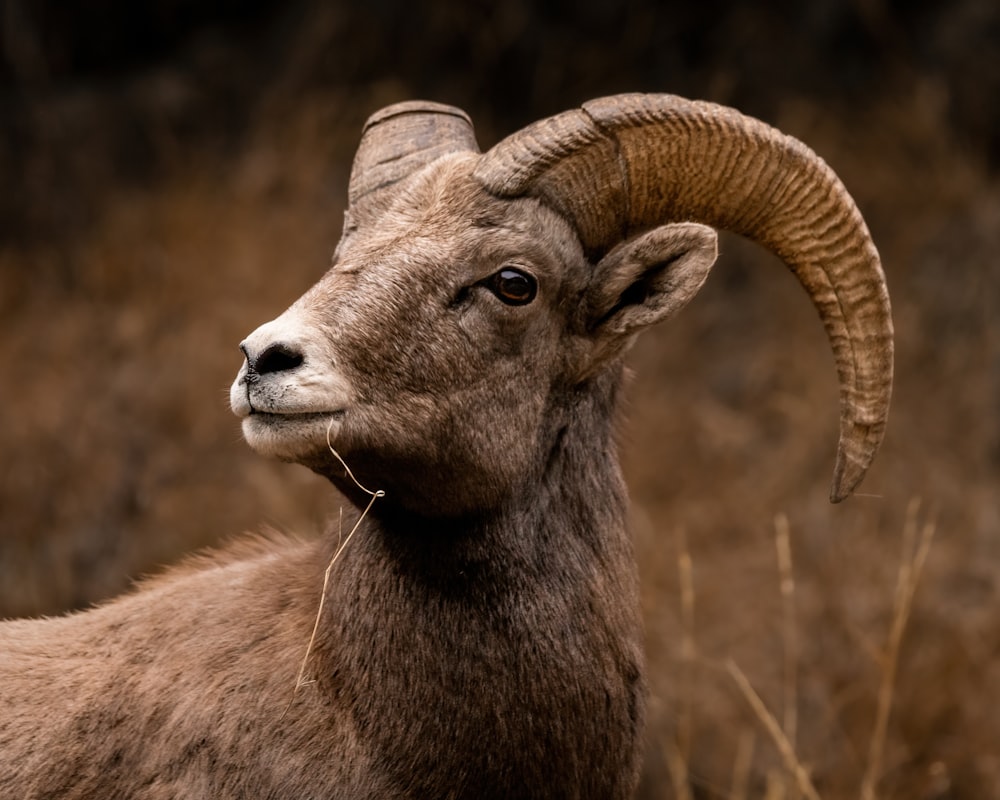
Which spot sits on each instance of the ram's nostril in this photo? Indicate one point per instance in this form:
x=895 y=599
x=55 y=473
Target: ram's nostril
x=277 y=358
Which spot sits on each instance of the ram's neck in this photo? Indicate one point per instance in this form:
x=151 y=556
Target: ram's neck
x=502 y=656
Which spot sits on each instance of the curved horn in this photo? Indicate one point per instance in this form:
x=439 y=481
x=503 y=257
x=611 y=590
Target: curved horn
x=396 y=142
x=623 y=164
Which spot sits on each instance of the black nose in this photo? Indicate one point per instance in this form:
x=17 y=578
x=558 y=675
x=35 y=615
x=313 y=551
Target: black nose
x=278 y=357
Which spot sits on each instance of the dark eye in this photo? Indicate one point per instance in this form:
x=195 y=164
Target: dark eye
x=513 y=286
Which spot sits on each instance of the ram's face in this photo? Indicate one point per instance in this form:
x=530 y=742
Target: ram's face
x=460 y=321
x=431 y=355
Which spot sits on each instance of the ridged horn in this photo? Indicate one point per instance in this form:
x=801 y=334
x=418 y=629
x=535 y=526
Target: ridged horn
x=623 y=164
x=396 y=142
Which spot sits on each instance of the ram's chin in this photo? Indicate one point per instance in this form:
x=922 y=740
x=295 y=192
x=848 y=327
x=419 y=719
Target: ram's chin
x=291 y=437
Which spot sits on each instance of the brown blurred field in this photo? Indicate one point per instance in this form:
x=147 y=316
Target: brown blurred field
x=159 y=205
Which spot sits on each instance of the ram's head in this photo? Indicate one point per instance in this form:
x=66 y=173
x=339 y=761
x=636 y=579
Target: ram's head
x=478 y=304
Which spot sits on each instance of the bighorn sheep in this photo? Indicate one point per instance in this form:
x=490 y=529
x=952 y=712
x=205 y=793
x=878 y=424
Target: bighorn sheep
x=480 y=635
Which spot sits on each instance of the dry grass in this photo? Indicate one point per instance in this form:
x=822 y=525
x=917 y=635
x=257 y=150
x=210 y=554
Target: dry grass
x=678 y=752
x=911 y=567
x=795 y=779
x=785 y=746
x=790 y=698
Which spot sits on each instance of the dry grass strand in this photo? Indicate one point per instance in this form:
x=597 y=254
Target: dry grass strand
x=678 y=769
x=677 y=753
x=785 y=748
x=915 y=551
x=685 y=574
x=782 y=541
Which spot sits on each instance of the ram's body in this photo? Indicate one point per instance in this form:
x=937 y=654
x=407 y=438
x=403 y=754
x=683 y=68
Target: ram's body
x=480 y=634
x=186 y=688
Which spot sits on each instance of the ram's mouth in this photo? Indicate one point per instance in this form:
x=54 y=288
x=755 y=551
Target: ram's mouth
x=279 y=417
x=291 y=436
x=276 y=420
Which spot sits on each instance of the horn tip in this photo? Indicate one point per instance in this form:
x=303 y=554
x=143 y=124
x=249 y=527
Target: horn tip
x=847 y=475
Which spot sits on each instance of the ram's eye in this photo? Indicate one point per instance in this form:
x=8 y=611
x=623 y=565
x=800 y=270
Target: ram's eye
x=513 y=286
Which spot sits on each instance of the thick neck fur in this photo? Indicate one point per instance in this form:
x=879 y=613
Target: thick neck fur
x=499 y=657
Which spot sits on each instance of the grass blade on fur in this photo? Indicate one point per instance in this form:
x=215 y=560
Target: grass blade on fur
x=299 y=681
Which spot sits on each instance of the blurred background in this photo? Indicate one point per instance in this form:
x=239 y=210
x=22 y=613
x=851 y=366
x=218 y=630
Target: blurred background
x=173 y=173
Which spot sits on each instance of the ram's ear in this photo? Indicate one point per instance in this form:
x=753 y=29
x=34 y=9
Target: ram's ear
x=648 y=278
